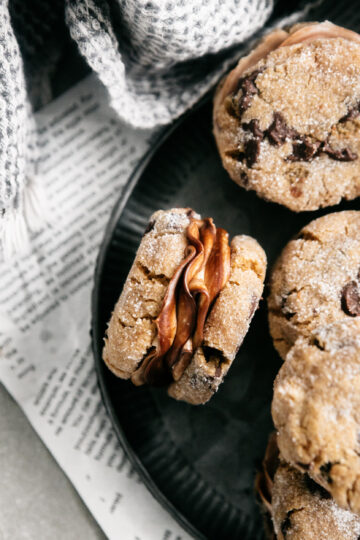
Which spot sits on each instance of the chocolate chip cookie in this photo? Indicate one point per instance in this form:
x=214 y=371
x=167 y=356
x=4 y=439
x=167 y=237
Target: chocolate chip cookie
x=316 y=408
x=316 y=282
x=286 y=119
x=299 y=509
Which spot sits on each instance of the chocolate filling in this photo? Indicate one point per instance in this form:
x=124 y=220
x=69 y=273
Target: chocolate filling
x=190 y=294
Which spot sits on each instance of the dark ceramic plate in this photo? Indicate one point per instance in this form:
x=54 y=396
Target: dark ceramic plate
x=199 y=462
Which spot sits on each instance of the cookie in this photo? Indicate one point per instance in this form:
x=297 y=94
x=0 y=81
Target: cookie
x=315 y=281
x=316 y=408
x=298 y=508
x=185 y=307
x=286 y=119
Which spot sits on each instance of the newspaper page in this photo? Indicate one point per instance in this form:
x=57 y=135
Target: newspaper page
x=46 y=361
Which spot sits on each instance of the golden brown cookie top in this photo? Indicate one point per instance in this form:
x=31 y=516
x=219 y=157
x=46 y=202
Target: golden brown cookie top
x=289 y=128
x=315 y=281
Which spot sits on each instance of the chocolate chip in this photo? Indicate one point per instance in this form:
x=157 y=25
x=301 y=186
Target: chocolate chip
x=217 y=371
x=254 y=127
x=315 y=489
x=317 y=344
x=325 y=472
x=339 y=155
x=304 y=149
x=250 y=154
x=252 y=151
x=296 y=191
x=350 y=299
x=237 y=154
x=286 y=524
x=303 y=466
x=252 y=146
x=149 y=227
x=279 y=131
x=249 y=90
x=351 y=114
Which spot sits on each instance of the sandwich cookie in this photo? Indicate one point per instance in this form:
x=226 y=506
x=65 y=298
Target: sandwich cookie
x=185 y=307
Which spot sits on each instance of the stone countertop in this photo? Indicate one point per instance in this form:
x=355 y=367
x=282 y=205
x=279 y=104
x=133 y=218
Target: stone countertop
x=37 y=501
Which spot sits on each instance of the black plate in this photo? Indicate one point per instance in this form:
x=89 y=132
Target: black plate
x=199 y=462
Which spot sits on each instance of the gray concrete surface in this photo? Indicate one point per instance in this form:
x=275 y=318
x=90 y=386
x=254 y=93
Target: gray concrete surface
x=37 y=502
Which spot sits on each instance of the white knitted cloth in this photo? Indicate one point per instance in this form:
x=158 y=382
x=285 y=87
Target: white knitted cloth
x=16 y=139
x=154 y=55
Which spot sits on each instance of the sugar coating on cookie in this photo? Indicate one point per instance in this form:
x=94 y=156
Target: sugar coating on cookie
x=315 y=410
x=132 y=331
x=315 y=282
x=288 y=127
x=303 y=510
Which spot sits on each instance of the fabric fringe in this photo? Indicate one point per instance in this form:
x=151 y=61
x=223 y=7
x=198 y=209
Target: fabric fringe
x=14 y=233
x=16 y=223
x=35 y=205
